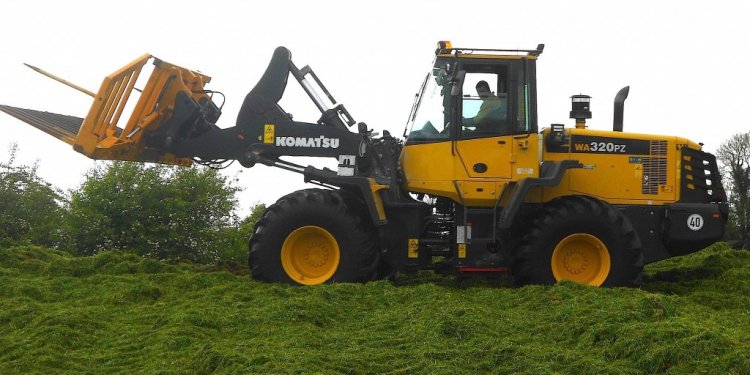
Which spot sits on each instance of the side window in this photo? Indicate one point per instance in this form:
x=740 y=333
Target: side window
x=484 y=104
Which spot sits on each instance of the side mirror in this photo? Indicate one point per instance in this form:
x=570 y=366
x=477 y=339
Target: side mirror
x=458 y=83
x=441 y=76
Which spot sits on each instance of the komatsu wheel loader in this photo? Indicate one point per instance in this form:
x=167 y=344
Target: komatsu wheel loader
x=475 y=188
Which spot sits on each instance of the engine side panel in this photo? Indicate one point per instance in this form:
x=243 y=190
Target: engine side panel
x=619 y=168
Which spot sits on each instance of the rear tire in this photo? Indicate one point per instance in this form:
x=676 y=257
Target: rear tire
x=580 y=239
x=312 y=237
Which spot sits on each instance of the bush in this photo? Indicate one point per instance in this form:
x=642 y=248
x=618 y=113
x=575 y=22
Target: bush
x=31 y=209
x=237 y=247
x=156 y=211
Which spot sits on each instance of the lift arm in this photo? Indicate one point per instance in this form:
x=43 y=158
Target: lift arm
x=174 y=119
x=174 y=122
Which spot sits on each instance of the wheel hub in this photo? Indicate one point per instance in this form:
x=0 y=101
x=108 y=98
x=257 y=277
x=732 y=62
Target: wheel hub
x=310 y=255
x=576 y=261
x=582 y=258
x=316 y=255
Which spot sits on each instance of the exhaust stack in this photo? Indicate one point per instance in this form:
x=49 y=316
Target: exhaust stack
x=620 y=108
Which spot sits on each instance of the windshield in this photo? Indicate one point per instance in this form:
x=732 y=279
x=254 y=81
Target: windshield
x=428 y=121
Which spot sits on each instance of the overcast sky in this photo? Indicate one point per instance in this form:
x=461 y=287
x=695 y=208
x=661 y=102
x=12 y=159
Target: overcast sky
x=686 y=61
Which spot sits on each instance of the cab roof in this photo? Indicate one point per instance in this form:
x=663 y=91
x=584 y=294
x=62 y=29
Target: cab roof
x=445 y=49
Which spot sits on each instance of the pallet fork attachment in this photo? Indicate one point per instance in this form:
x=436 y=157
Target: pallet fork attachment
x=102 y=135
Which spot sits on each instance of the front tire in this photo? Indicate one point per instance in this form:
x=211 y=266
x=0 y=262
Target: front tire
x=312 y=237
x=580 y=239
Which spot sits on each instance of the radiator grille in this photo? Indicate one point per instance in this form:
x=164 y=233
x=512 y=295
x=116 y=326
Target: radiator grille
x=658 y=148
x=655 y=168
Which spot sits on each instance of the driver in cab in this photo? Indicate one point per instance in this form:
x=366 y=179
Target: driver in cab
x=490 y=114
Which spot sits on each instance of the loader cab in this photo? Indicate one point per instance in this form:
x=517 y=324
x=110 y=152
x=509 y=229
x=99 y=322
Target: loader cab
x=471 y=123
x=452 y=94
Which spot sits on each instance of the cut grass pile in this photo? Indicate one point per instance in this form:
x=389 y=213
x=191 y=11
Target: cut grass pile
x=120 y=313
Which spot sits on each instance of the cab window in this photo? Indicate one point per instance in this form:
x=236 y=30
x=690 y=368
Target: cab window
x=431 y=114
x=486 y=101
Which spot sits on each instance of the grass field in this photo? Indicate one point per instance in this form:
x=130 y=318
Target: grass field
x=118 y=313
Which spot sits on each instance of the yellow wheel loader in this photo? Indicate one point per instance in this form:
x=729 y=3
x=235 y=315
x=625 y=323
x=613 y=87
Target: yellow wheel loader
x=474 y=188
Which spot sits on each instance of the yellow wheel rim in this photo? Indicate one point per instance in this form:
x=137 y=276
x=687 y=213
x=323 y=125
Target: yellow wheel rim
x=310 y=255
x=582 y=258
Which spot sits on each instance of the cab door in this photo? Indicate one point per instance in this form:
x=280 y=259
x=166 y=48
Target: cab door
x=484 y=141
x=488 y=157
x=488 y=142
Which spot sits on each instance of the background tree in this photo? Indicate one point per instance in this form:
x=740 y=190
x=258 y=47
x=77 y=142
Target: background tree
x=30 y=208
x=154 y=210
x=734 y=155
x=240 y=234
